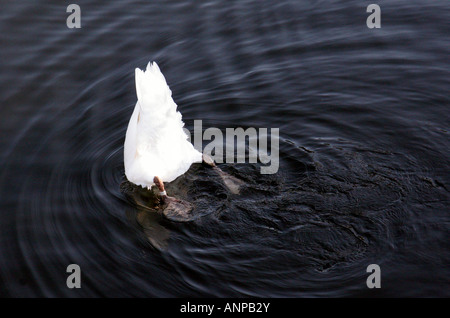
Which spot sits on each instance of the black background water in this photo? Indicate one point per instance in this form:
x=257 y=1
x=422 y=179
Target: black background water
x=364 y=148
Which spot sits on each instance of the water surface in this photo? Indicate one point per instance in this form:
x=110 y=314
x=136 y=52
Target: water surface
x=364 y=149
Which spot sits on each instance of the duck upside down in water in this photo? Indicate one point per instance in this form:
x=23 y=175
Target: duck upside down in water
x=157 y=149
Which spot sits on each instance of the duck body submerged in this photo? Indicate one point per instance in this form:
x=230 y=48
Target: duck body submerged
x=155 y=142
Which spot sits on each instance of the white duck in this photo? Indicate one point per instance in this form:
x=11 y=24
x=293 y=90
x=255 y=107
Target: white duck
x=156 y=147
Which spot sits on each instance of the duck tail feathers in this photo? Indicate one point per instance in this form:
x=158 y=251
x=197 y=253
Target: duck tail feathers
x=151 y=87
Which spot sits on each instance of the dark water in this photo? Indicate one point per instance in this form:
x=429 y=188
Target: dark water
x=364 y=148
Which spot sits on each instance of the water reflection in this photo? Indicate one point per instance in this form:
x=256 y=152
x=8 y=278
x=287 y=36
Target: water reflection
x=146 y=215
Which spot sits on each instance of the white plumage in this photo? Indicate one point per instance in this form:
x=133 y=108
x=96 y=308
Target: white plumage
x=155 y=143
